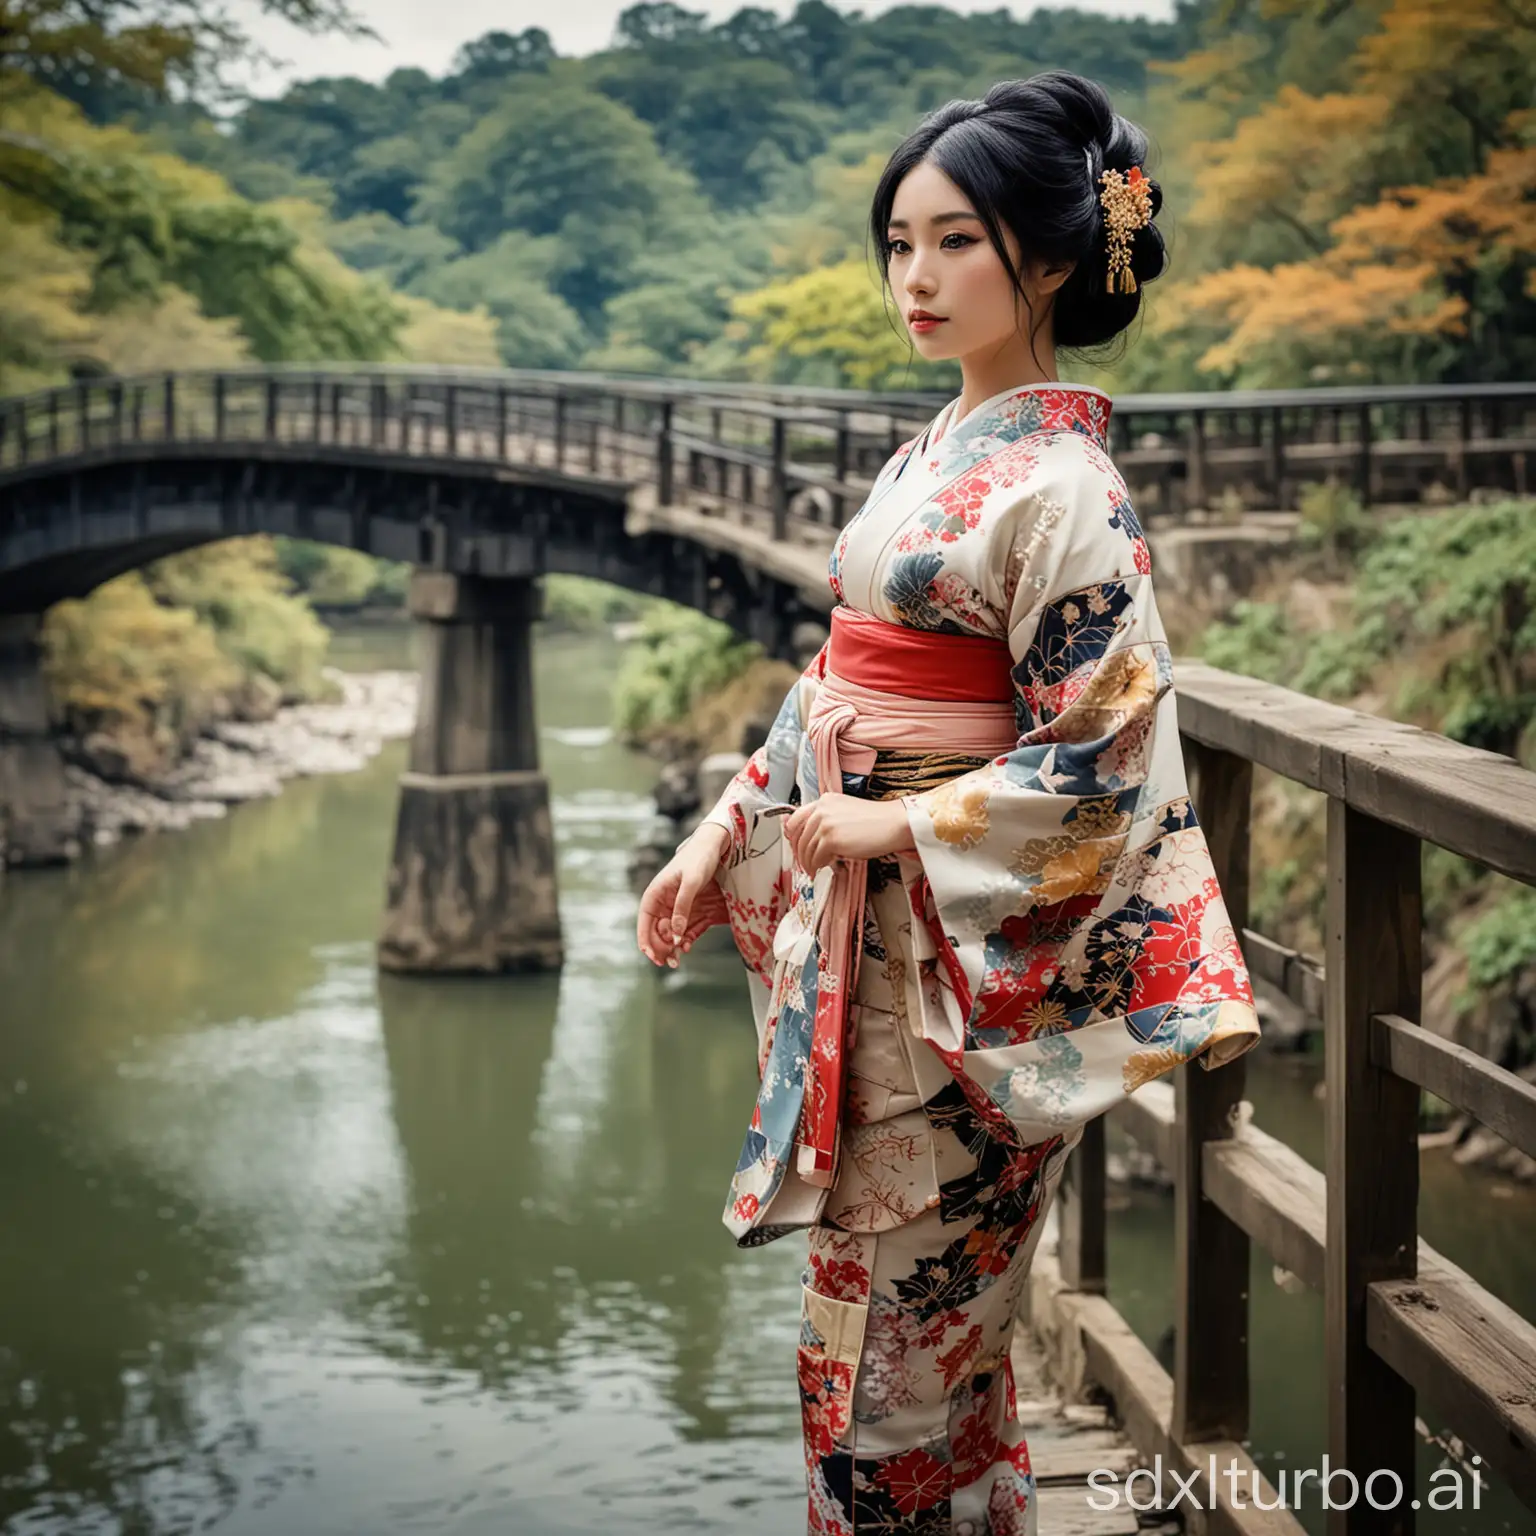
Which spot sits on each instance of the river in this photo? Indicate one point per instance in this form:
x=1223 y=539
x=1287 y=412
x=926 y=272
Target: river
x=292 y=1248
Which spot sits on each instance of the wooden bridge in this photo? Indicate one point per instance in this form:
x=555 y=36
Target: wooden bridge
x=727 y=498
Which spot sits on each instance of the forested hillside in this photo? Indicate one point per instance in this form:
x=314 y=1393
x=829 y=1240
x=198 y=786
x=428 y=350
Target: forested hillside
x=1351 y=190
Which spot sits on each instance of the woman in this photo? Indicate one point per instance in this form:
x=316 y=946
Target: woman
x=963 y=869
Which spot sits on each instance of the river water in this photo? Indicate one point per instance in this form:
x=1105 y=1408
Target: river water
x=290 y=1249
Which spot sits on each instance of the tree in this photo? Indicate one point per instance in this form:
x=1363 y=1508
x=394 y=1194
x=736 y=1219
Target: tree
x=1377 y=231
x=432 y=334
x=831 y=326
x=142 y=46
x=513 y=279
x=498 y=55
x=560 y=161
x=656 y=22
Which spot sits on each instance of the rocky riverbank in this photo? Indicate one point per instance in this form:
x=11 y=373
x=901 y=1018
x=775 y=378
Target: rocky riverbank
x=235 y=761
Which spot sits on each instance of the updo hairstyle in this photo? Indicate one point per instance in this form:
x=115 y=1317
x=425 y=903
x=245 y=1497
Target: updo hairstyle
x=1028 y=156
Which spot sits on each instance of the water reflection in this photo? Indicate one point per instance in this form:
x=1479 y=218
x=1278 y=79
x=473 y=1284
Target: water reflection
x=305 y=1251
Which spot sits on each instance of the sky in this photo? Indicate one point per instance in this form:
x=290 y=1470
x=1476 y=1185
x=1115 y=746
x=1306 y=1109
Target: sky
x=426 y=33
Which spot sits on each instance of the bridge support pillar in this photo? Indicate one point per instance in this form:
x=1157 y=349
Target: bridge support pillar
x=38 y=825
x=472 y=885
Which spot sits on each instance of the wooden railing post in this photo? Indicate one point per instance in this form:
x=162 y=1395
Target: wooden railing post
x=1464 y=444
x=780 y=483
x=271 y=412
x=317 y=406
x=501 y=422
x=218 y=408
x=1194 y=466
x=1211 y=1252
x=1363 y=469
x=82 y=415
x=1373 y=964
x=1277 y=455
x=664 y=456
x=560 y=404
x=1083 y=1248
x=378 y=412
x=169 y=407
x=451 y=419
x=840 y=468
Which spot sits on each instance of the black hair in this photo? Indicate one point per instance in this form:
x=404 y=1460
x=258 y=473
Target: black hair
x=1028 y=157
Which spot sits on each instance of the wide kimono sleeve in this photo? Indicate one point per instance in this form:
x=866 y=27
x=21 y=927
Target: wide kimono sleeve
x=1070 y=941
x=755 y=874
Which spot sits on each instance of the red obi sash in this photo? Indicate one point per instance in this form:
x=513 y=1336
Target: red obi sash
x=885 y=686
x=917 y=663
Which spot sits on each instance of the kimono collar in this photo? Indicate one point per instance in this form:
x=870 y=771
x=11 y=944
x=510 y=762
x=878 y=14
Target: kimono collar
x=1021 y=412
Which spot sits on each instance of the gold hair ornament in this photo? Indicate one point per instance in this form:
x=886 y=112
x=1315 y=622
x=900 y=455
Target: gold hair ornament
x=1127 y=204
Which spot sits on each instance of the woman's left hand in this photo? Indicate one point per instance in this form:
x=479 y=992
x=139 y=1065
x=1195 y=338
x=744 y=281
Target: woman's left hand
x=846 y=827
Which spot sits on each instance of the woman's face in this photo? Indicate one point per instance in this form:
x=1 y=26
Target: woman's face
x=942 y=264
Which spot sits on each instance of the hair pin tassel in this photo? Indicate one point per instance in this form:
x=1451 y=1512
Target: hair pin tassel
x=1127 y=204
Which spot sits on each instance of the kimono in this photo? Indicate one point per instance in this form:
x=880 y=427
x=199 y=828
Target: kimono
x=1054 y=940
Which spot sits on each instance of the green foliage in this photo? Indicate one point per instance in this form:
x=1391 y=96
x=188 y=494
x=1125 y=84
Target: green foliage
x=122 y=662
x=1253 y=638
x=606 y=211
x=1458 y=587
x=1333 y=521
x=1448 y=881
x=556 y=160
x=107 y=227
x=513 y=280
x=402 y=254
x=679 y=657
x=580 y=603
x=1501 y=942
x=327 y=575
x=1442 y=614
x=238 y=589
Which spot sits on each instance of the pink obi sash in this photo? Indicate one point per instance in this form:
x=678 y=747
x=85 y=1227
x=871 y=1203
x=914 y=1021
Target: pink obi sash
x=888 y=687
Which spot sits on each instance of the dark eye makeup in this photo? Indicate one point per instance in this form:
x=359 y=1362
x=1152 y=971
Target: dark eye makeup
x=897 y=246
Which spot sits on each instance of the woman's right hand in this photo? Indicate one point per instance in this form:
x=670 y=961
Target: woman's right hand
x=683 y=899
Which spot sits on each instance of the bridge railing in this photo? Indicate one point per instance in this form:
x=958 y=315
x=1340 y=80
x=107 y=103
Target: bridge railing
x=784 y=443
x=1400 y=1318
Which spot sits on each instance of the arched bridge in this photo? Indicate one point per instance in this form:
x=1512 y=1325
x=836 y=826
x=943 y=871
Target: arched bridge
x=723 y=497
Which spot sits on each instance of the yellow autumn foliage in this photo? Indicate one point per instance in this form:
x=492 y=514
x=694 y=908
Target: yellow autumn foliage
x=1290 y=165
x=1254 y=309
x=237 y=588
x=836 y=313
x=122 y=662
x=1331 y=234
x=42 y=287
x=432 y=334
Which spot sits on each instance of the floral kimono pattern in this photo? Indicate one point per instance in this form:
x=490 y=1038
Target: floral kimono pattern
x=1055 y=940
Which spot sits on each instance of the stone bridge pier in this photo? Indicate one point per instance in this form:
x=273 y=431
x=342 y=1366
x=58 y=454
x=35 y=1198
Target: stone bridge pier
x=472 y=882
x=38 y=824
